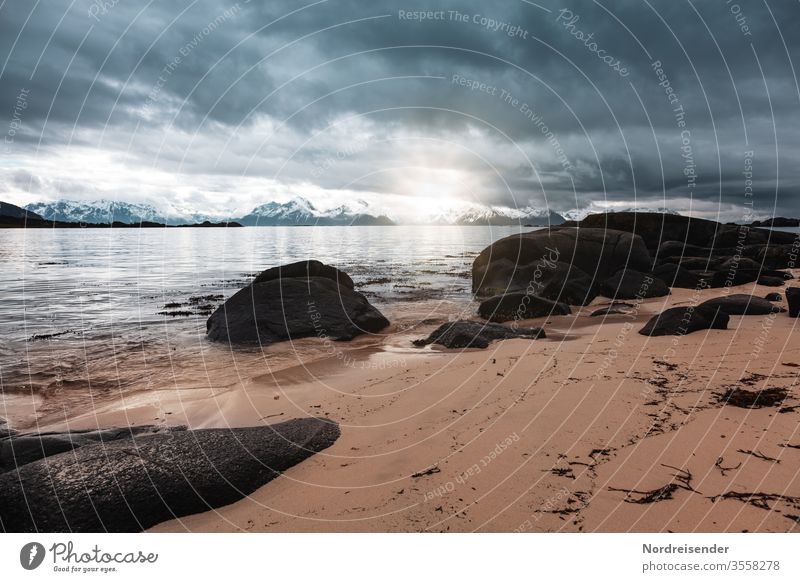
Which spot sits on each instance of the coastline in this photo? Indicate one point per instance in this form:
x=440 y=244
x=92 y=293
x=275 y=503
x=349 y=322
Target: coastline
x=530 y=435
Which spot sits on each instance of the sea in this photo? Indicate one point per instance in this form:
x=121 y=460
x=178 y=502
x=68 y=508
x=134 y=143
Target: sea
x=92 y=313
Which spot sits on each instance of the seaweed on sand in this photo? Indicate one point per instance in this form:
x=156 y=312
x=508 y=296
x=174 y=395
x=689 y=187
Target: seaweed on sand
x=680 y=480
x=753 y=399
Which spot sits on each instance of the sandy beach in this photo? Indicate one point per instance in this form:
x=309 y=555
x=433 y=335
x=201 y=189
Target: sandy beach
x=595 y=428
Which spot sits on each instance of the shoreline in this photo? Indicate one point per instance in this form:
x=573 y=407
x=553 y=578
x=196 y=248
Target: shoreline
x=418 y=450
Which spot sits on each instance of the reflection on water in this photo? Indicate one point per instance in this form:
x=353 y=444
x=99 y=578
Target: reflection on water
x=91 y=313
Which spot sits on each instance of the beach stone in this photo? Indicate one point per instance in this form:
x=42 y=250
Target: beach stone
x=515 y=306
x=793 y=299
x=773 y=297
x=676 y=276
x=23 y=448
x=614 y=309
x=279 y=308
x=630 y=284
x=129 y=485
x=768 y=281
x=592 y=252
x=685 y=320
x=475 y=334
x=742 y=304
x=304 y=270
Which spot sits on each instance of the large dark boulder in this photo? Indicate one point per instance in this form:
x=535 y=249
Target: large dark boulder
x=128 y=485
x=741 y=304
x=530 y=261
x=630 y=284
x=684 y=320
x=732 y=278
x=676 y=276
x=304 y=270
x=474 y=334
x=21 y=449
x=515 y=306
x=793 y=299
x=277 y=308
x=674 y=248
x=5 y=430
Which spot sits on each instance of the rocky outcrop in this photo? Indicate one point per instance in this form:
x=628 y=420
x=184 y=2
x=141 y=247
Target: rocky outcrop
x=540 y=262
x=656 y=229
x=128 y=485
x=295 y=301
x=474 y=334
x=685 y=320
x=741 y=304
x=631 y=284
x=674 y=275
x=516 y=306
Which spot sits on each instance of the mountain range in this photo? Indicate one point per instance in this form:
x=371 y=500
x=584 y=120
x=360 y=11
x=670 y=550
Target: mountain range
x=297 y=211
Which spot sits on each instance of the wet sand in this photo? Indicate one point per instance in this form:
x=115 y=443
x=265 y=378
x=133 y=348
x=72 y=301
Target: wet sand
x=596 y=428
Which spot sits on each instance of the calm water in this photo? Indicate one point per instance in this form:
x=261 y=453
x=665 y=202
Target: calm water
x=108 y=310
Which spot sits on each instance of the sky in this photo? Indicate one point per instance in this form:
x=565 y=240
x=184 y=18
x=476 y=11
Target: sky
x=219 y=106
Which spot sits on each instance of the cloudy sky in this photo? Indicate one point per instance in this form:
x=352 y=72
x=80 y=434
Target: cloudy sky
x=218 y=106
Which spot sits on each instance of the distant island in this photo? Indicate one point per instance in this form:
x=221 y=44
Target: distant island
x=12 y=216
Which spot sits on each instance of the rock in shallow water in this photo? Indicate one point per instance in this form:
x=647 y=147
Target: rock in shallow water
x=277 y=307
x=474 y=334
x=683 y=320
x=131 y=484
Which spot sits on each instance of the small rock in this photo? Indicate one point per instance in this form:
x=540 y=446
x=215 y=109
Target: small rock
x=475 y=334
x=771 y=281
x=614 y=309
x=793 y=299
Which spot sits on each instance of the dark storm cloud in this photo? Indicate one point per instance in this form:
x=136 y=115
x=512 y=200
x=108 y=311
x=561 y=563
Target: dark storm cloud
x=123 y=75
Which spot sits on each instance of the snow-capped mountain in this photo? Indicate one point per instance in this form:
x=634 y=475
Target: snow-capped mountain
x=300 y=211
x=581 y=213
x=107 y=211
x=481 y=214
